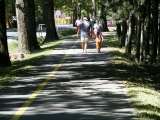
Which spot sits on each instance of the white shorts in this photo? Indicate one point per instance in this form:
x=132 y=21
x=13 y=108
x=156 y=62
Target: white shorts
x=95 y=31
x=84 y=39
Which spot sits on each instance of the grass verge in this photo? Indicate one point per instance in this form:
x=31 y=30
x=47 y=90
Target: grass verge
x=142 y=81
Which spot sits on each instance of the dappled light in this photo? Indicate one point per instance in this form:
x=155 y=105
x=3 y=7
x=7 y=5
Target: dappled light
x=141 y=81
x=84 y=87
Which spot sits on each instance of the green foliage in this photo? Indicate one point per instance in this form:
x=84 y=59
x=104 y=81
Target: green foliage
x=9 y=5
x=119 y=11
x=38 y=11
x=68 y=7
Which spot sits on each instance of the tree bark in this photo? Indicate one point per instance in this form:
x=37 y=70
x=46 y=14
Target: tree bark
x=4 y=54
x=155 y=30
x=138 y=34
x=31 y=25
x=124 y=32
x=119 y=32
x=159 y=34
x=23 y=39
x=141 y=42
x=79 y=10
x=103 y=17
x=94 y=9
x=147 y=28
x=51 y=33
x=74 y=13
x=128 y=42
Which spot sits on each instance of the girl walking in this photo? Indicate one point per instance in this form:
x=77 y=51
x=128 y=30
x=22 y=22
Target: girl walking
x=99 y=40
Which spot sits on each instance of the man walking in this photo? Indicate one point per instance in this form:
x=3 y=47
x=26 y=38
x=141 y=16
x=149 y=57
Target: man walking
x=85 y=33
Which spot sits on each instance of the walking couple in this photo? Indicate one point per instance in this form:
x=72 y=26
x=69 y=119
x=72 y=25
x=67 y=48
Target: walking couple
x=85 y=31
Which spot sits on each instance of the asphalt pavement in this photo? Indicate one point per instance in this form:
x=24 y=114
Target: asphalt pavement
x=68 y=85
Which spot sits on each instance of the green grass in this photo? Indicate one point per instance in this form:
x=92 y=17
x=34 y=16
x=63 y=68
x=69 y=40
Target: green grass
x=20 y=66
x=142 y=81
x=112 y=29
x=12 y=46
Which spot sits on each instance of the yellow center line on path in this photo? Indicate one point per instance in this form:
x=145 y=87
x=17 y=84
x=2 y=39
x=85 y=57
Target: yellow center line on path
x=27 y=103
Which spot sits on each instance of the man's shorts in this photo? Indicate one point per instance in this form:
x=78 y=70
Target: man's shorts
x=84 y=38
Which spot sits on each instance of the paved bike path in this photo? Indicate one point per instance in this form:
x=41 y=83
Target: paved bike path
x=68 y=85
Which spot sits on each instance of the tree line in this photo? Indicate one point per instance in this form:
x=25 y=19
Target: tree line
x=138 y=27
x=137 y=23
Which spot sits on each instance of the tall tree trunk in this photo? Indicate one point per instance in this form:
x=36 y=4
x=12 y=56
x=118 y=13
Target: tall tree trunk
x=4 y=55
x=124 y=32
x=31 y=25
x=141 y=42
x=103 y=19
x=128 y=41
x=137 y=55
x=79 y=10
x=94 y=9
x=147 y=28
x=23 y=39
x=155 y=30
x=119 y=32
x=74 y=13
x=159 y=33
x=51 y=33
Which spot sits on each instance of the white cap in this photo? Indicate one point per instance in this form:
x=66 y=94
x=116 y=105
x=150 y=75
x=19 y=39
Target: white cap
x=85 y=18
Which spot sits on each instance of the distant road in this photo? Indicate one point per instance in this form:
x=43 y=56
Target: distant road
x=13 y=35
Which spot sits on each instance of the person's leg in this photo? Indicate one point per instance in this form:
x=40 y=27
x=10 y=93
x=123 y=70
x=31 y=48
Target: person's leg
x=86 y=44
x=78 y=31
x=100 y=42
x=82 y=44
x=93 y=34
x=98 y=45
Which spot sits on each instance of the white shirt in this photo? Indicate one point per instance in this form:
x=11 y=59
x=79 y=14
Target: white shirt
x=78 y=22
x=97 y=27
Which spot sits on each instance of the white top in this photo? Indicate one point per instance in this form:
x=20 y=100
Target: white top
x=97 y=27
x=78 y=22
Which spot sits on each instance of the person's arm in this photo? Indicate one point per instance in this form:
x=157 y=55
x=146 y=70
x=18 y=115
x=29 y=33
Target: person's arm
x=90 y=30
x=78 y=30
x=102 y=37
